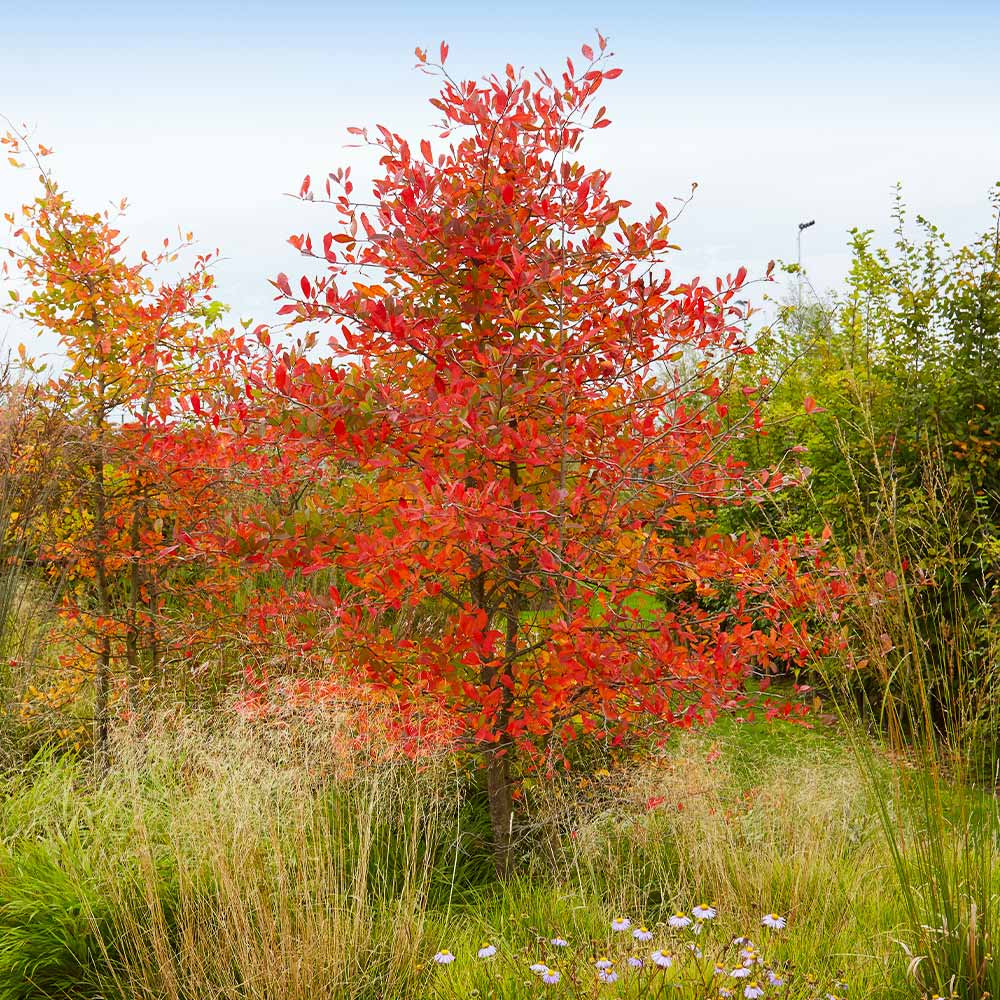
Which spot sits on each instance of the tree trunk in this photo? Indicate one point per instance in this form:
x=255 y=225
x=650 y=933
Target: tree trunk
x=152 y=637
x=101 y=702
x=497 y=756
x=134 y=601
x=102 y=696
x=501 y=807
x=498 y=777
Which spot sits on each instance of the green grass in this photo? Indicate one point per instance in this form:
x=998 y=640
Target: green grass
x=228 y=862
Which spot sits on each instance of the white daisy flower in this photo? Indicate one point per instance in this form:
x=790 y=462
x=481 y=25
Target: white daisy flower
x=753 y=991
x=704 y=911
x=558 y=942
x=662 y=960
x=539 y=967
x=773 y=921
x=621 y=924
x=550 y=976
x=487 y=951
x=642 y=934
x=774 y=980
x=740 y=973
x=603 y=963
x=444 y=957
x=635 y=962
x=680 y=920
x=607 y=976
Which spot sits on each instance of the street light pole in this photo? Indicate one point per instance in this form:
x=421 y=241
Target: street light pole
x=798 y=273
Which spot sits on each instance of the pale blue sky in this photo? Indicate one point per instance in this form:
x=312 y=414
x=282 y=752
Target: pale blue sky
x=203 y=114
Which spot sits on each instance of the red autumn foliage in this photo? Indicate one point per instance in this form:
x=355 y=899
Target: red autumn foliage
x=518 y=453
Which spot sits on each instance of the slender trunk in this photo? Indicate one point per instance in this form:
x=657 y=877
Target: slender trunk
x=498 y=776
x=102 y=697
x=498 y=788
x=134 y=601
x=153 y=639
x=140 y=514
x=501 y=807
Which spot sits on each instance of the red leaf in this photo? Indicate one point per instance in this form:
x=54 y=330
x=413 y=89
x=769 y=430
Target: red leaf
x=507 y=194
x=283 y=285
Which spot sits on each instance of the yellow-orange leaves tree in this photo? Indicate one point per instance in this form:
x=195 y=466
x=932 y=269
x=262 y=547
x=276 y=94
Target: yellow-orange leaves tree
x=131 y=368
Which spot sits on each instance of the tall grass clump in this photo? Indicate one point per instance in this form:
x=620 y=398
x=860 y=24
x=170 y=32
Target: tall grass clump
x=925 y=627
x=226 y=862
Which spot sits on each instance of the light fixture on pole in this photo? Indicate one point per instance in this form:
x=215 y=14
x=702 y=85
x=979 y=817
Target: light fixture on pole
x=798 y=258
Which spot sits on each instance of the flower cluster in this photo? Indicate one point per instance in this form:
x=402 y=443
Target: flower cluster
x=668 y=954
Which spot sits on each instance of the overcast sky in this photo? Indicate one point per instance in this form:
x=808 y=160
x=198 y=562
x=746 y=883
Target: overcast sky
x=203 y=113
